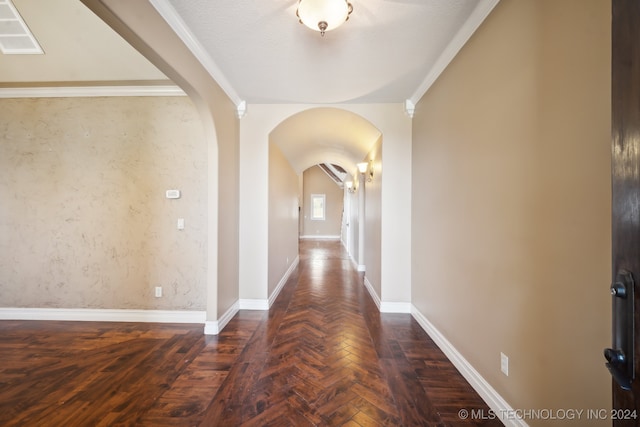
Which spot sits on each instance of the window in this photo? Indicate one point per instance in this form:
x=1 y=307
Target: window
x=317 y=207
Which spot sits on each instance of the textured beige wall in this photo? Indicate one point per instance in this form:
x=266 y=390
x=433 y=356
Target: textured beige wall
x=316 y=181
x=511 y=203
x=84 y=222
x=283 y=216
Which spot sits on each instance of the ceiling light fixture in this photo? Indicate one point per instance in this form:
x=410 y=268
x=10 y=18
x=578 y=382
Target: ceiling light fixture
x=323 y=15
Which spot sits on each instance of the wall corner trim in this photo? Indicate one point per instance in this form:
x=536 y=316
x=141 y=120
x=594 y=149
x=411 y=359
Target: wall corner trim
x=102 y=315
x=479 y=384
x=214 y=327
x=211 y=327
x=409 y=108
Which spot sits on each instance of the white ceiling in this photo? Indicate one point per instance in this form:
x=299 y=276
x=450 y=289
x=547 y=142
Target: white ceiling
x=386 y=52
x=78 y=47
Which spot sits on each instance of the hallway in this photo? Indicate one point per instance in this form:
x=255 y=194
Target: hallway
x=323 y=355
x=326 y=356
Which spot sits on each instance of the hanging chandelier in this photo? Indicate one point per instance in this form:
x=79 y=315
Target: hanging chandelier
x=323 y=15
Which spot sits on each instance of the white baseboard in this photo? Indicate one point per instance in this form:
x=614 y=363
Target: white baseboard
x=102 y=315
x=395 y=307
x=384 y=306
x=495 y=402
x=254 y=304
x=283 y=281
x=321 y=237
x=214 y=327
x=372 y=292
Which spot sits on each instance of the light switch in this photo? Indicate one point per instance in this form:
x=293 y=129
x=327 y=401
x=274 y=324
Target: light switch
x=180 y=223
x=172 y=194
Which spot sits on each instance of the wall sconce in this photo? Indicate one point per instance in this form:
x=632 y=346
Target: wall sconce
x=362 y=168
x=349 y=186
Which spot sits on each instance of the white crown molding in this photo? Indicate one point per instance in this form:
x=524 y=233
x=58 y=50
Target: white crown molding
x=241 y=109
x=409 y=108
x=102 y=315
x=90 y=91
x=496 y=403
x=169 y=14
x=476 y=18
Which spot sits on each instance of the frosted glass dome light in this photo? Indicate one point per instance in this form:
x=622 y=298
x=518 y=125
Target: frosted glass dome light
x=323 y=15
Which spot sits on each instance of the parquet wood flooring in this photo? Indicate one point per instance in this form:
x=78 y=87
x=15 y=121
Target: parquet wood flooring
x=321 y=356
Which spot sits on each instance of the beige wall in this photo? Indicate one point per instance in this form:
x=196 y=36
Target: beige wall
x=511 y=202
x=373 y=219
x=316 y=181
x=283 y=216
x=84 y=222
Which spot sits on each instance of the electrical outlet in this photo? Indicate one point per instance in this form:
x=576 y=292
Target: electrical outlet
x=504 y=364
x=158 y=291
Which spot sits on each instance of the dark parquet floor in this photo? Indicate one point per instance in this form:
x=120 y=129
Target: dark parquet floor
x=322 y=356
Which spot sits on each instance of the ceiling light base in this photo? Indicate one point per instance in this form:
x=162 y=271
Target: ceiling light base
x=323 y=15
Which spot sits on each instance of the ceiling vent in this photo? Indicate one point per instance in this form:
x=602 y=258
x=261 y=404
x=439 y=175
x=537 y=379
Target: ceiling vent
x=15 y=37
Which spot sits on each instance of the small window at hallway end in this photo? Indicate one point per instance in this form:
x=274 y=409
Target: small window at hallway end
x=318 y=207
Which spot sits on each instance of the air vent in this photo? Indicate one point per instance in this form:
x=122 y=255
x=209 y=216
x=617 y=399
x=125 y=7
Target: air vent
x=15 y=37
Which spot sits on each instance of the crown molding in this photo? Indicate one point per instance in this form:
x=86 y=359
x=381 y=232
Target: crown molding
x=463 y=35
x=169 y=14
x=409 y=108
x=90 y=91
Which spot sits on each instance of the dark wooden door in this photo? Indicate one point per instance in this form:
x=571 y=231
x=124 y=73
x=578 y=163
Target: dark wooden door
x=625 y=126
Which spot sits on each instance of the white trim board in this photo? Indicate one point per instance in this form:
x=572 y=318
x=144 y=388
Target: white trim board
x=386 y=306
x=254 y=304
x=395 y=307
x=321 y=237
x=265 y=304
x=492 y=398
x=372 y=292
x=102 y=315
x=283 y=281
x=214 y=327
x=90 y=91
